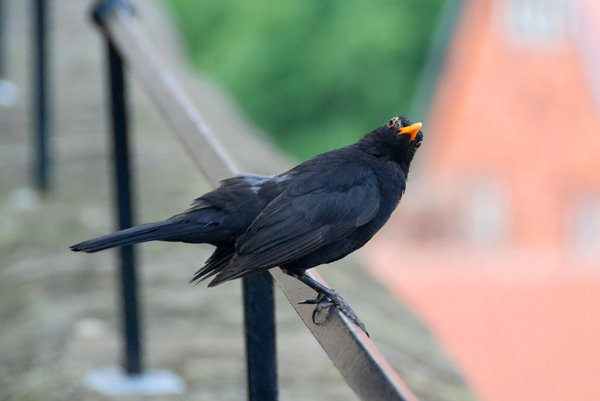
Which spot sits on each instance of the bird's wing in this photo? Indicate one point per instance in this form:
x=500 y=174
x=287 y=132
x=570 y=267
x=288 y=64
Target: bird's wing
x=316 y=209
x=231 y=190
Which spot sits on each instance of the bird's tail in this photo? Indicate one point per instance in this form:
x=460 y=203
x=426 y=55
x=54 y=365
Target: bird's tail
x=166 y=230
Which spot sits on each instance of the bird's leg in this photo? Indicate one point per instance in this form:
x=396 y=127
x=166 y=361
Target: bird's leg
x=326 y=298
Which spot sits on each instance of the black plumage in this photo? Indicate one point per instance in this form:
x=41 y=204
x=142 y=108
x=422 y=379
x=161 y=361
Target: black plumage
x=315 y=213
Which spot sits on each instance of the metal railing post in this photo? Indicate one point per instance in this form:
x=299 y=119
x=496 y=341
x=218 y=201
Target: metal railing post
x=131 y=320
x=132 y=355
x=41 y=169
x=132 y=379
x=3 y=51
x=261 y=350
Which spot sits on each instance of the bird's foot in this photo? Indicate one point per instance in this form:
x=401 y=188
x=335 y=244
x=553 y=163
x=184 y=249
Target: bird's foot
x=326 y=301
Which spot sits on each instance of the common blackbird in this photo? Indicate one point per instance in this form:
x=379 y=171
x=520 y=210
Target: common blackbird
x=315 y=213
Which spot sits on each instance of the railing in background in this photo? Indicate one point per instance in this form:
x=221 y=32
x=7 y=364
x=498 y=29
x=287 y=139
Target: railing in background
x=8 y=90
x=258 y=290
x=352 y=352
x=3 y=51
x=41 y=134
x=122 y=178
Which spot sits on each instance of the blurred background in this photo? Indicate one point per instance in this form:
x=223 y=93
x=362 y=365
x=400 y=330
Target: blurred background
x=495 y=245
x=315 y=75
x=500 y=228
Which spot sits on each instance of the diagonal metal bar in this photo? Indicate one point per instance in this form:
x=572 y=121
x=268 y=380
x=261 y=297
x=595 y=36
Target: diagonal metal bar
x=353 y=353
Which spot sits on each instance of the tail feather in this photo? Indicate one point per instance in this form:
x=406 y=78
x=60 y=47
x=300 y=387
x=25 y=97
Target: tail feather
x=217 y=261
x=146 y=232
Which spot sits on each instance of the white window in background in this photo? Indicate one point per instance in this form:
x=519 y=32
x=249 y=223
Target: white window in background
x=584 y=227
x=535 y=22
x=485 y=212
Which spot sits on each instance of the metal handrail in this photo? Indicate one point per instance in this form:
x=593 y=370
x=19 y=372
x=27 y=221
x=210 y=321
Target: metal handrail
x=361 y=364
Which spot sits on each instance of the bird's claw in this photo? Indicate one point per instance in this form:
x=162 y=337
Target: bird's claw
x=324 y=302
x=319 y=299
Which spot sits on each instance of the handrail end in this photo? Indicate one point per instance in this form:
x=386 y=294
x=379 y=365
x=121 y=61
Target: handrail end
x=104 y=7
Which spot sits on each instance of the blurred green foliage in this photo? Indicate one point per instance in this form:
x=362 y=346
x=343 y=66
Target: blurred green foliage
x=316 y=74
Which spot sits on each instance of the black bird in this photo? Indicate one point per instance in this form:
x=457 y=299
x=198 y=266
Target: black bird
x=315 y=213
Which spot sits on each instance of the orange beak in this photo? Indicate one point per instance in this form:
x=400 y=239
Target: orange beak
x=411 y=130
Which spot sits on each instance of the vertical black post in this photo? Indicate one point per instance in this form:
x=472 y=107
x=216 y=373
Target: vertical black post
x=259 y=319
x=131 y=321
x=40 y=98
x=2 y=43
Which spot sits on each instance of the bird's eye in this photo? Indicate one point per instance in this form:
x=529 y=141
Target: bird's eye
x=391 y=123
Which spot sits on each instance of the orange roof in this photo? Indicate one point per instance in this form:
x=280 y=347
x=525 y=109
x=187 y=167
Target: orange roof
x=520 y=113
x=513 y=136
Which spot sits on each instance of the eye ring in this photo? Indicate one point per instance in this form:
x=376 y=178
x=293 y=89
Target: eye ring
x=392 y=122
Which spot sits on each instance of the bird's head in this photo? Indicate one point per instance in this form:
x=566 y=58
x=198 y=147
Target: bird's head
x=398 y=140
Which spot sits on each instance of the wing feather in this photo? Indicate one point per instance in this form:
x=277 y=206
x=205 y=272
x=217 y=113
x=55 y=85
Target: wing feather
x=305 y=217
